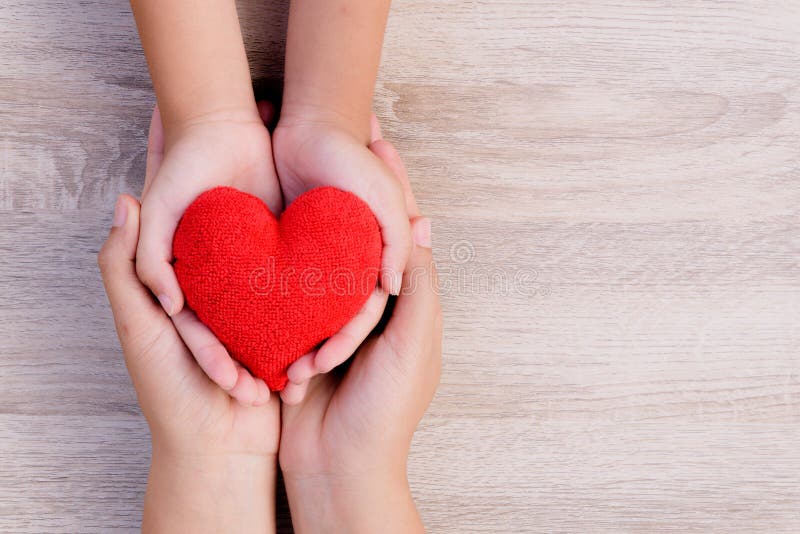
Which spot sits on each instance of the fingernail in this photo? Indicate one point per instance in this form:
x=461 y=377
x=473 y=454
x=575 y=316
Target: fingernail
x=166 y=303
x=422 y=232
x=120 y=213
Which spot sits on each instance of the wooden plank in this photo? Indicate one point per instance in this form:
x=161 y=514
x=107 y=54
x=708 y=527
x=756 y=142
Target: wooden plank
x=614 y=187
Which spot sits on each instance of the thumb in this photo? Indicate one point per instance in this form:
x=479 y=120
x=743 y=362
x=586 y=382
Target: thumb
x=154 y=354
x=132 y=305
x=415 y=323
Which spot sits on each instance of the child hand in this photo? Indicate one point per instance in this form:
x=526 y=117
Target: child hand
x=312 y=154
x=344 y=446
x=230 y=150
x=213 y=461
x=224 y=153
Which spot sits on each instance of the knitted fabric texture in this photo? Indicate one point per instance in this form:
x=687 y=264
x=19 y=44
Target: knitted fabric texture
x=272 y=289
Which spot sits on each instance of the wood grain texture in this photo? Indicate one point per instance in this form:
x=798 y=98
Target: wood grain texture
x=615 y=189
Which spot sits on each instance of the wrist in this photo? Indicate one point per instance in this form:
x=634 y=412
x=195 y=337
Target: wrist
x=307 y=112
x=210 y=492
x=219 y=116
x=370 y=501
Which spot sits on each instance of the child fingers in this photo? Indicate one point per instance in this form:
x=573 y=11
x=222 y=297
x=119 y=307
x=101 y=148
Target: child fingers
x=155 y=150
x=302 y=369
x=154 y=254
x=217 y=364
x=293 y=393
x=148 y=268
x=384 y=195
x=340 y=346
x=246 y=390
x=389 y=155
x=389 y=207
x=211 y=356
x=395 y=255
x=391 y=158
x=208 y=351
x=263 y=395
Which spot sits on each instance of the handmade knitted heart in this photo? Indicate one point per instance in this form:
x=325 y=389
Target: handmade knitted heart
x=269 y=289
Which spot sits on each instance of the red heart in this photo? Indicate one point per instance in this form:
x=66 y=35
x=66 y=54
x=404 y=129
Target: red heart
x=271 y=290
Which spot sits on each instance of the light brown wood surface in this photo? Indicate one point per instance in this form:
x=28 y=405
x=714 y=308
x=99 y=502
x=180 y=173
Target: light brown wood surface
x=615 y=190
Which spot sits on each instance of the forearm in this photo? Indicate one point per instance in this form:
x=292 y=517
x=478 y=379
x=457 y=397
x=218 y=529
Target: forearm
x=380 y=503
x=333 y=50
x=203 y=494
x=197 y=60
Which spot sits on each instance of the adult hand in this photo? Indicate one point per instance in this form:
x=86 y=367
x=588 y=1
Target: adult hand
x=214 y=459
x=344 y=441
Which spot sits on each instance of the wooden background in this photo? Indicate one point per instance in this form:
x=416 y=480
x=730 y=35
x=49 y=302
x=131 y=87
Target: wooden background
x=615 y=190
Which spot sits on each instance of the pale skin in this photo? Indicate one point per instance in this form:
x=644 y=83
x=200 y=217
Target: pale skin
x=214 y=463
x=345 y=439
x=214 y=135
x=343 y=448
x=210 y=132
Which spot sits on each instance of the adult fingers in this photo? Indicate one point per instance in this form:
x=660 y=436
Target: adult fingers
x=417 y=312
x=215 y=361
x=155 y=149
x=130 y=301
x=141 y=324
x=154 y=253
